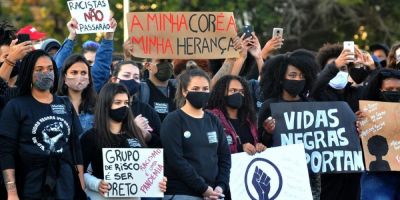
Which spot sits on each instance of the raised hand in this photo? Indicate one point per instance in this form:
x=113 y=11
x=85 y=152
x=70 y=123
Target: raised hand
x=72 y=25
x=255 y=49
x=261 y=182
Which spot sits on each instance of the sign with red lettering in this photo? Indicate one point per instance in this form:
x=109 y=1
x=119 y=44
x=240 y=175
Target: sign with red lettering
x=183 y=35
x=380 y=135
x=133 y=172
x=92 y=15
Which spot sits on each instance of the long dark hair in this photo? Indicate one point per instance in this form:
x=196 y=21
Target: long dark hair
x=184 y=81
x=373 y=90
x=274 y=70
x=88 y=94
x=102 y=119
x=217 y=98
x=392 y=56
x=24 y=80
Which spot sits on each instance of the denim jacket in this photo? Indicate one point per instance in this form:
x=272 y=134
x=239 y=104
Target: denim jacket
x=101 y=67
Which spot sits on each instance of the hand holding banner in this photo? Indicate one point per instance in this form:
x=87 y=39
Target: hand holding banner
x=182 y=35
x=92 y=15
x=327 y=130
x=133 y=172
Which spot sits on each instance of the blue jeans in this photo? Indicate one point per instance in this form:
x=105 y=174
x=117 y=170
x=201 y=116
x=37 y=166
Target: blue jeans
x=380 y=186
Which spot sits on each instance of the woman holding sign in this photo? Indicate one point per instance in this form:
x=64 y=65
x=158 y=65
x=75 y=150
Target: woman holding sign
x=377 y=184
x=197 y=157
x=114 y=127
x=286 y=78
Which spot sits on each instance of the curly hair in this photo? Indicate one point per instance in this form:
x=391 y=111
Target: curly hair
x=392 y=56
x=328 y=51
x=274 y=71
x=218 y=100
x=373 y=90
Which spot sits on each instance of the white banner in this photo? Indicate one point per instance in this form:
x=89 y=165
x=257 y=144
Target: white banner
x=92 y=15
x=278 y=173
x=133 y=172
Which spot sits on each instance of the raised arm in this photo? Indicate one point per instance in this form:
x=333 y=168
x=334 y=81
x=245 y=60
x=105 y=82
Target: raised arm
x=101 y=67
x=67 y=47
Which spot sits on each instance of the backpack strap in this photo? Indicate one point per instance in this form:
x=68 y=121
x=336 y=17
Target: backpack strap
x=144 y=95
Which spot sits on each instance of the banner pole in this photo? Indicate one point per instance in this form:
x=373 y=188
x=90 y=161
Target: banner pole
x=126 y=10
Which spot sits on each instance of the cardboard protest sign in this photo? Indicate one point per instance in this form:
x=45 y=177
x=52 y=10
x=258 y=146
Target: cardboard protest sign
x=92 y=15
x=182 y=35
x=276 y=173
x=327 y=130
x=380 y=135
x=133 y=172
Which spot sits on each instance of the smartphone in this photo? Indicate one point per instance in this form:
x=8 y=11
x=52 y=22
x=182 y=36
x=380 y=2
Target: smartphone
x=23 y=38
x=247 y=30
x=350 y=46
x=277 y=32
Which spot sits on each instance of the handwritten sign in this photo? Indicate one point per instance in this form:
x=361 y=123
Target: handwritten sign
x=380 y=135
x=92 y=15
x=133 y=172
x=276 y=173
x=183 y=35
x=326 y=129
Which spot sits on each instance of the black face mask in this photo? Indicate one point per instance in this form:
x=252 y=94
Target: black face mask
x=119 y=114
x=132 y=85
x=294 y=87
x=235 y=100
x=358 y=74
x=164 y=71
x=383 y=63
x=390 y=96
x=198 y=99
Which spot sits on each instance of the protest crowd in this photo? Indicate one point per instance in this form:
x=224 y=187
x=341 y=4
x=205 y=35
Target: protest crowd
x=61 y=110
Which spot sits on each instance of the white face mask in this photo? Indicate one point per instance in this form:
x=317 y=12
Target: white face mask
x=339 y=81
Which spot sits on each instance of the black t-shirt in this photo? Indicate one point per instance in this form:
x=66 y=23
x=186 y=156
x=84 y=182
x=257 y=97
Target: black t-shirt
x=92 y=150
x=244 y=133
x=196 y=153
x=29 y=131
x=162 y=104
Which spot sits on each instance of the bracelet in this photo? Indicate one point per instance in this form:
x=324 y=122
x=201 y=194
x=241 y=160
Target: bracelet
x=10 y=182
x=9 y=62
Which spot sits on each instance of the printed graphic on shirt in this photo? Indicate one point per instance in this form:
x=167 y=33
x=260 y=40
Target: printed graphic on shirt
x=58 y=109
x=161 y=108
x=51 y=133
x=133 y=143
x=230 y=140
x=187 y=134
x=212 y=137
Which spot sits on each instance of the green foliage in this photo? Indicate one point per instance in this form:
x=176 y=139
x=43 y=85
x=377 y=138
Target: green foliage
x=307 y=23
